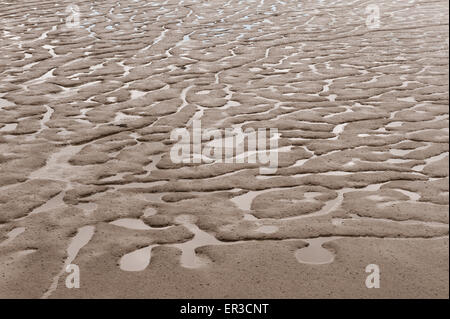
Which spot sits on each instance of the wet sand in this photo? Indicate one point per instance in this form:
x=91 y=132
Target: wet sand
x=86 y=176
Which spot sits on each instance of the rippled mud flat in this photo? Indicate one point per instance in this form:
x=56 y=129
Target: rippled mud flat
x=86 y=176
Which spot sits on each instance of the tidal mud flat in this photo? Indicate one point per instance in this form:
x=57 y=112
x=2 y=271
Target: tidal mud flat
x=88 y=105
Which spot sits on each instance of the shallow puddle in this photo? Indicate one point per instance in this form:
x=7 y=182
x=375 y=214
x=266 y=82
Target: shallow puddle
x=189 y=258
x=131 y=223
x=314 y=253
x=54 y=202
x=244 y=202
x=82 y=237
x=137 y=260
x=8 y=127
x=5 y=103
x=12 y=235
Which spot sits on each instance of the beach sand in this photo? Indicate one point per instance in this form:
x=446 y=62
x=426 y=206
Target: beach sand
x=86 y=176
